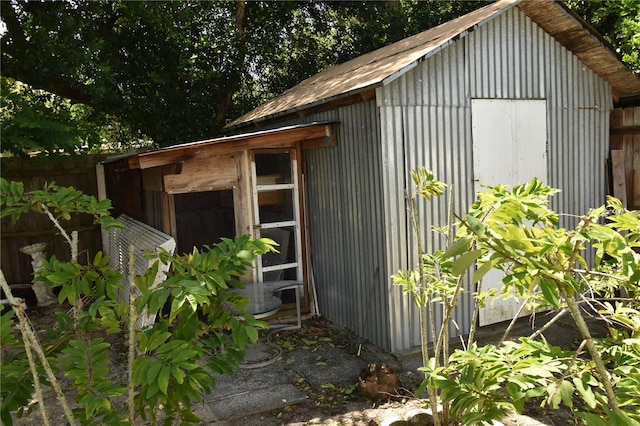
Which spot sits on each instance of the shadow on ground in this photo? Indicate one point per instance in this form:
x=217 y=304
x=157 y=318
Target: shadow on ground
x=313 y=380
x=310 y=376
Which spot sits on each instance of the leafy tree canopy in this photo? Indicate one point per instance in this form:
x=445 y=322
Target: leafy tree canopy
x=179 y=71
x=618 y=21
x=156 y=66
x=34 y=120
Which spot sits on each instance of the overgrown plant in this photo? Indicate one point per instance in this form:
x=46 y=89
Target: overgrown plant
x=424 y=282
x=547 y=266
x=201 y=329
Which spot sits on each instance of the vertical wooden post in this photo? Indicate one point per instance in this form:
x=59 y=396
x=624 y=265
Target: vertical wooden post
x=243 y=203
x=619 y=178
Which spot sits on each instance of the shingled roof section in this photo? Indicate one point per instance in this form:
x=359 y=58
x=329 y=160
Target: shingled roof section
x=352 y=80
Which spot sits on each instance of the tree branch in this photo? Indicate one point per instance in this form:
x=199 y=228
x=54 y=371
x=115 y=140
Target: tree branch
x=15 y=44
x=12 y=69
x=14 y=28
x=233 y=81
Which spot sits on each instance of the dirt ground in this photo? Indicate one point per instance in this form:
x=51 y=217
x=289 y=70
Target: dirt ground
x=389 y=414
x=335 y=407
x=337 y=401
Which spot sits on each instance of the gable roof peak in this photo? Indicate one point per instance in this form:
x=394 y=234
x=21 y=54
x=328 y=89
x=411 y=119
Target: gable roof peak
x=344 y=82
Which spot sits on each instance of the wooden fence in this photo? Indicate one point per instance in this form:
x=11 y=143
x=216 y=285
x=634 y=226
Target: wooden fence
x=79 y=172
x=625 y=155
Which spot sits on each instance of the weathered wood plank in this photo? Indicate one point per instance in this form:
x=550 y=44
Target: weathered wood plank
x=279 y=138
x=33 y=227
x=243 y=204
x=323 y=142
x=635 y=190
x=619 y=178
x=152 y=179
x=203 y=174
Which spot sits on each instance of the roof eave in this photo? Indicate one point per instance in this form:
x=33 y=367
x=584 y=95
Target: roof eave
x=315 y=132
x=348 y=98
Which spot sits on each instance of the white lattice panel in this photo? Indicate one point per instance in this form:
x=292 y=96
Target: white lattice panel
x=143 y=238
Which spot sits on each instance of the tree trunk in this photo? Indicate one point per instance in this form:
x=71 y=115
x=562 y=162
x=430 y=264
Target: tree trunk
x=233 y=82
x=593 y=351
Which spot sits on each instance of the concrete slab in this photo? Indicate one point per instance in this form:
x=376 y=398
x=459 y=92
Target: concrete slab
x=261 y=354
x=255 y=401
x=316 y=362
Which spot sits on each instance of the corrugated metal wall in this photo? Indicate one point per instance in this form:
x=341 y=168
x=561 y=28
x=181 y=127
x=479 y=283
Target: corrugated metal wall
x=426 y=120
x=346 y=219
x=345 y=213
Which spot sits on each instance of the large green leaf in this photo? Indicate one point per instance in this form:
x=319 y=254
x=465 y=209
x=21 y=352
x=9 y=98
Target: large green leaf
x=459 y=246
x=463 y=262
x=550 y=292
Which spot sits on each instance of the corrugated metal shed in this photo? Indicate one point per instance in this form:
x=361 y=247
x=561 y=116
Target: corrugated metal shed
x=377 y=68
x=410 y=104
x=426 y=120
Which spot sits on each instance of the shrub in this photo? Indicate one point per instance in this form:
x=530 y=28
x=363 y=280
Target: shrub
x=204 y=329
x=547 y=266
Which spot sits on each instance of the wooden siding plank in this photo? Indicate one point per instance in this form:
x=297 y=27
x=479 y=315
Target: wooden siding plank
x=619 y=179
x=207 y=174
x=322 y=142
x=242 y=200
x=152 y=179
x=635 y=196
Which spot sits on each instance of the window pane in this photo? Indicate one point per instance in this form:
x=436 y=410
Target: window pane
x=276 y=206
x=273 y=168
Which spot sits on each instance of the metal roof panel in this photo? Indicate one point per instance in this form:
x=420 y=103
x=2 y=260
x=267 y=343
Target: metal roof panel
x=371 y=69
x=385 y=64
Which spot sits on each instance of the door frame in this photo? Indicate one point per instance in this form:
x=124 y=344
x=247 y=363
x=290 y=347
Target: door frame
x=296 y=222
x=511 y=133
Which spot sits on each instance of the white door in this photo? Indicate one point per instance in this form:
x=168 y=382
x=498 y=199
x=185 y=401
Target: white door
x=276 y=213
x=509 y=147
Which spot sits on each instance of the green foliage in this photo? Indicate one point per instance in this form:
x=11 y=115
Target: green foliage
x=618 y=21
x=179 y=71
x=437 y=270
x=517 y=232
x=201 y=330
x=426 y=184
x=17 y=384
x=36 y=121
x=61 y=202
x=171 y=57
x=492 y=382
x=205 y=331
x=30 y=117
x=76 y=280
x=195 y=66
x=86 y=365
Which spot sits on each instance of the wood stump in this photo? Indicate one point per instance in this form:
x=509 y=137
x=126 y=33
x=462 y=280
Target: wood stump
x=379 y=383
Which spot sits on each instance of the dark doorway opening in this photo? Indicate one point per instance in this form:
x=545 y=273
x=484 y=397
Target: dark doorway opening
x=202 y=218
